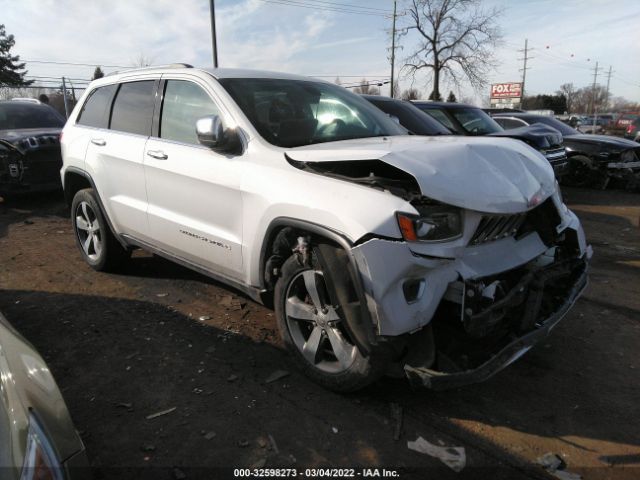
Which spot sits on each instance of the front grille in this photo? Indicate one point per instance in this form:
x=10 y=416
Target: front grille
x=556 y=156
x=494 y=227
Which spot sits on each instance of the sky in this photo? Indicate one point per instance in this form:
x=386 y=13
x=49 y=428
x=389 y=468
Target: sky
x=567 y=37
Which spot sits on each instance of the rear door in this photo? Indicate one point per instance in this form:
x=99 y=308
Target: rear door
x=195 y=203
x=115 y=156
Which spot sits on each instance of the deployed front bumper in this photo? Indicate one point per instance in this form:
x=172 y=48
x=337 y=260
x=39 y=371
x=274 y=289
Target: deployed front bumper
x=405 y=291
x=509 y=353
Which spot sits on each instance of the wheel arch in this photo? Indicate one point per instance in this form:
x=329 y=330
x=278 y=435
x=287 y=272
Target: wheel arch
x=75 y=180
x=363 y=327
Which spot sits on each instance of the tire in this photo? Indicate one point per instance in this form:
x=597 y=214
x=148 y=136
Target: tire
x=312 y=329
x=580 y=172
x=97 y=244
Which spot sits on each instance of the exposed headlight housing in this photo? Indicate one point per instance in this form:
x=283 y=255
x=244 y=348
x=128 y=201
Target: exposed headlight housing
x=435 y=223
x=40 y=461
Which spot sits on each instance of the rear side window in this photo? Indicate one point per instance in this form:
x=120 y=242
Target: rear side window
x=184 y=103
x=509 y=123
x=133 y=108
x=95 y=111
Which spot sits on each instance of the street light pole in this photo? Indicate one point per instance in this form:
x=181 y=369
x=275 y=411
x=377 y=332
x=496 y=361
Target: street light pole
x=214 y=41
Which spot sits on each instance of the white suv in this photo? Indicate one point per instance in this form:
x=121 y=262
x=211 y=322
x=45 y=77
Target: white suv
x=442 y=259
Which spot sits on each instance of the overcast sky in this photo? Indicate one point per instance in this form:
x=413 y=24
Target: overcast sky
x=568 y=37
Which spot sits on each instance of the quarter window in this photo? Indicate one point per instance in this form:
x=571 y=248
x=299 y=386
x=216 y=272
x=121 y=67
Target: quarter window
x=184 y=103
x=95 y=111
x=133 y=108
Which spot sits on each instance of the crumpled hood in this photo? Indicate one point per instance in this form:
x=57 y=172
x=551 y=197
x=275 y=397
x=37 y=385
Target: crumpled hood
x=604 y=141
x=538 y=135
x=478 y=173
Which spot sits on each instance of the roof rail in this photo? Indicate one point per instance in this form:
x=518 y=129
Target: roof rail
x=151 y=67
x=24 y=99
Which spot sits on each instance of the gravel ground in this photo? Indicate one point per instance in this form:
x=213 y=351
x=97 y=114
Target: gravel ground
x=158 y=337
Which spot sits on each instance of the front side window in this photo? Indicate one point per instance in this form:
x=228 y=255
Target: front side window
x=95 y=111
x=133 y=108
x=293 y=113
x=184 y=103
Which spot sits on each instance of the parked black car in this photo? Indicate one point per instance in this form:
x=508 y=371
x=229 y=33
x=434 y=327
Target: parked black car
x=409 y=116
x=593 y=159
x=30 y=157
x=469 y=120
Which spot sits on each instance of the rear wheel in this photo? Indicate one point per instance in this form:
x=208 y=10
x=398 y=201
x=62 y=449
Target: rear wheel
x=313 y=329
x=99 y=247
x=580 y=172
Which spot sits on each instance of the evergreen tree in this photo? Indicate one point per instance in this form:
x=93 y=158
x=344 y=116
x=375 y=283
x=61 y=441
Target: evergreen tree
x=97 y=73
x=10 y=65
x=451 y=98
x=435 y=96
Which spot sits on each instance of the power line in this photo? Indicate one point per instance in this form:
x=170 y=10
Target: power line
x=293 y=3
x=95 y=64
x=351 y=5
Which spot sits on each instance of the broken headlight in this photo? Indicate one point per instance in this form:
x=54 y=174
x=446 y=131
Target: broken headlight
x=435 y=223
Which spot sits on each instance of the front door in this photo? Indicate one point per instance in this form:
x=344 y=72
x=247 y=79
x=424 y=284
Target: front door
x=195 y=204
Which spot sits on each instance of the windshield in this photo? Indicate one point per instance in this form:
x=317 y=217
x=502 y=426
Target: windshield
x=474 y=121
x=16 y=116
x=411 y=117
x=293 y=113
x=563 y=128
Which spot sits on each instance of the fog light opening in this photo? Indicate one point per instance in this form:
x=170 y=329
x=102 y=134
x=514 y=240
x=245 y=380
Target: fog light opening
x=413 y=290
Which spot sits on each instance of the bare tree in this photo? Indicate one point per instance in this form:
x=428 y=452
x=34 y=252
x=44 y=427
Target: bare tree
x=569 y=92
x=620 y=104
x=411 y=94
x=142 y=61
x=456 y=40
x=585 y=97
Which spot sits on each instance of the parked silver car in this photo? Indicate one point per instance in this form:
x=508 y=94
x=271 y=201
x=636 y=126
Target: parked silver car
x=37 y=438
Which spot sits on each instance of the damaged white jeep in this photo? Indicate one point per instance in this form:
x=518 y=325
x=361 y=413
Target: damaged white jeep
x=442 y=259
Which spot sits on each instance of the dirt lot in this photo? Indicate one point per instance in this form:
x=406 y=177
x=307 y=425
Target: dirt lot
x=125 y=346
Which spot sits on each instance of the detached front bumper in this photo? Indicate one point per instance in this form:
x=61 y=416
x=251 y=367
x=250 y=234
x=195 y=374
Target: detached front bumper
x=510 y=352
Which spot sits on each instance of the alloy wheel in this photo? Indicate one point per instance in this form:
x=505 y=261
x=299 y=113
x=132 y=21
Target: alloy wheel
x=88 y=231
x=315 y=326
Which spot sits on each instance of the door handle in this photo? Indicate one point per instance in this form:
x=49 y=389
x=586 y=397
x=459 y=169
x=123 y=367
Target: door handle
x=98 y=141
x=157 y=154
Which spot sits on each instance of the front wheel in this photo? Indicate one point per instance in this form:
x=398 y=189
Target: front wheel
x=313 y=329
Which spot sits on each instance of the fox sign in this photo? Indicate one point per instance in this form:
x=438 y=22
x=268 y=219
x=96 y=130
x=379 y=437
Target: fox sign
x=506 y=90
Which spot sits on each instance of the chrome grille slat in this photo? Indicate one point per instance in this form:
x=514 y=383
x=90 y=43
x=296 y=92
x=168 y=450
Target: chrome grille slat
x=494 y=227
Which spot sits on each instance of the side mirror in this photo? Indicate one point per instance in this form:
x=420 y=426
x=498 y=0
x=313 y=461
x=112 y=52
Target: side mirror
x=211 y=133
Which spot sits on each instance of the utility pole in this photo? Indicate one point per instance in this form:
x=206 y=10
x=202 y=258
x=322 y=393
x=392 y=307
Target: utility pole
x=214 y=41
x=393 y=50
x=593 y=96
x=64 y=97
x=606 y=104
x=524 y=67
